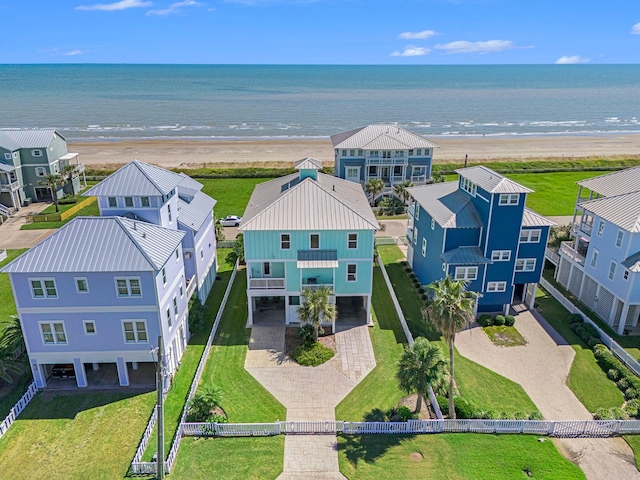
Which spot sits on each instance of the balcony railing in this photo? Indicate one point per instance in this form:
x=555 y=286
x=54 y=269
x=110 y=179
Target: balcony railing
x=387 y=161
x=9 y=187
x=566 y=249
x=418 y=178
x=586 y=228
x=267 y=283
x=317 y=285
x=191 y=286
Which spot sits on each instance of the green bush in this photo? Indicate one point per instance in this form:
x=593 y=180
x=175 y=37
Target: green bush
x=575 y=318
x=391 y=206
x=485 y=320
x=196 y=315
x=613 y=374
x=536 y=416
x=311 y=355
x=632 y=407
x=443 y=403
x=509 y=320
x=201 y=406
x=591 y=330
x=67 y=201
x=464 y=408
x=498 y=320
x=630 y=393
x=614 y=413
x=307 y=334
x=401 y=414
x=593 y=341
x=622 y=384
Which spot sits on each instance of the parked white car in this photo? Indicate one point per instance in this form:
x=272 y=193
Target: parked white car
x=231 y=221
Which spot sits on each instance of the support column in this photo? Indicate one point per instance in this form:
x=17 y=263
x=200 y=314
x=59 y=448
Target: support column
x=250 y=304
x=123 y=373
x=81 y=374
x=532 y=300
x=623 y=318
x=95 y=366
x=39 y=374
x=369 y=320
x=134 y=365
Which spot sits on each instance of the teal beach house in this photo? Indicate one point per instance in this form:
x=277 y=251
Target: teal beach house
x=306 y=230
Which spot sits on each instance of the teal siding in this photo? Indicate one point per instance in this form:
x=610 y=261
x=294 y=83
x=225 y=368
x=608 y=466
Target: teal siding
x=364 y=276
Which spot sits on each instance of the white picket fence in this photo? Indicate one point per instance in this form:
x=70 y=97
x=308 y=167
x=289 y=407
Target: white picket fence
x=18 y=408
x=560 y=429
x=614 y=346
x=137 y=465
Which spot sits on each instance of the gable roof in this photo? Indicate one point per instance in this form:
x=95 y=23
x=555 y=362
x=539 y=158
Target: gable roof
x=193 y=214
x=136 y=178
x=616 y=183
x=633 y=262
x=380 y=137
x=491 y=181
x=100 y=244
x=621 y=210
x=188 y=186
x=308 y=164
x=447 y=205
x=328 y=203
x=533 y=219
x=37 y=138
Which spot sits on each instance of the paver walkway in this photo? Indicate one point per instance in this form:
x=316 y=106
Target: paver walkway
x=541 y=368
x=310 y=393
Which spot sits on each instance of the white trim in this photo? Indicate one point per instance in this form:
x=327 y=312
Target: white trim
x=424 y=247
x=499 y=255
x=86 y=283
x=91 y=309
x=319 y=243
x=529 y=233
x=611 y=274
x=128 y=280
x=45 y=295
x=355 y=274
x=500 y=286
x=467 y=275
x=525 y=262
x=508 y=199
x=86 y=332
x=51 y=324
x=134 y=322
x=600 y=230
x=621 y=237
x=281 y=241
x=594 y=257
x=482 y=197
x=349 y=240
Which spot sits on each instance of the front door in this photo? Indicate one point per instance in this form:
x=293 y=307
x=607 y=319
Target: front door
x=266 y=269
x=385 y=173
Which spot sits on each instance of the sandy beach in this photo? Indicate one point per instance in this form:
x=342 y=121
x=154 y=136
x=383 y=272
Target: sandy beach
x=202 y=153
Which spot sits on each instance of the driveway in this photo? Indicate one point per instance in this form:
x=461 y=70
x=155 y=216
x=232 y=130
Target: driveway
x=394 y=228
x=541 y=368
x=11 y=237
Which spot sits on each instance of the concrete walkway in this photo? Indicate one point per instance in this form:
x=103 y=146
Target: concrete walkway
x=11 y=237
x=310 y=393
x=541 y=368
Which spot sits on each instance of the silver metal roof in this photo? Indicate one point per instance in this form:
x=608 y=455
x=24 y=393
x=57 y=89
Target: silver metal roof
x=193 y=214
x=447 y=205
x=317 y=254
x=329 y=203
x=464 y=256
x=136 y=178
x=100 y=244
x=188 y=186
x=633 y=262
x=68 y=156
x=7 y=168
x=16 y=139
x=380 y=137
x=621 y=210
x=533 y=219
x=616 y=183
x=308 y=164
x=491 y=181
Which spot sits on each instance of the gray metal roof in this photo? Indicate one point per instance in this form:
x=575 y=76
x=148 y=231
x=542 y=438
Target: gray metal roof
x=533 y=219
x=464 y=256
x=447 y=205
x=100 y=244
x=633 y=262
x=308 y=164
x=621 y=210
x=491 y=181
x=616 y=183
x=7 y=168
x=317 y=254
x=16 y=139
x=136 y=178
x=188 y=186
x=193 y=214
x=329 y=203
x=380 y=137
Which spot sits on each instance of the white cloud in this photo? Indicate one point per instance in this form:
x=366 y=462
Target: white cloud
x=73 y=53
x=569 y=60
x=463 y=46
x=121 y=5
x=175 y=8
x=411 y=51
x=423 y=35
x=635 y=30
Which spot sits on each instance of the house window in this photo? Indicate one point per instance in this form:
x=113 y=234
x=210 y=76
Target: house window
x=424 y=247
x=113 y=202
x=501 y=255
x=128 y=287
x=373 y=171
x=419 y=171
x=164 y=276
x=144 y=201
x=169 y=212
x=525 y=264
x=468 y=186
x=594 y=258
x=419 y=151
x=135 y=331
x=89 y=327
x=344 y=153
x=43 y=288
x=7 y=156
x=53 y=333
x=266 y=269
x=530 y=236
x=600 y=228
x=294 y=300
x=177 y=254
x=433 y=224
x=128 y=201
x=415 y=235
x=359 y=153
x=36 y=153
x=625 y=274
x=509 y=199
x=496 y=286
x=466 y=273
x=352 y=272
x=81 y=285
x=314 y=240
x=352 y=153
x=285 y=241
x=619 y=238
x=169 y=316
x=40 y=171
x=353 y=172
x=417 y=211
x=411 y=153
x=352 y=242
x=612 y=270
x=175 y=306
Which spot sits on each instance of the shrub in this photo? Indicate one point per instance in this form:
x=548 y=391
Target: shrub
x=464 y=408
x=311 y=355
x=630 y=393
x=498 y=320
x=622 y=384
x=575 y=326
x=508 y=416
x=593 y=341
x=591 y=330
x=575 y=318
x=407 y=269
x=215 y=418
x=615 y=413
x=443 y=403
x=485 y=320
x=423 y=297
x=521 y=416
x=404 y=263
x=600 y=350
x=510 y=320
x=201 y=406
x=196 y=315
x=613 y=374
x=401 y=414
x=307 y=334
x=632 y=408
x=67 y=201
x=412 y=276
x=536 y=416
x=579 y=330
x=391 y=206
x=491 y=415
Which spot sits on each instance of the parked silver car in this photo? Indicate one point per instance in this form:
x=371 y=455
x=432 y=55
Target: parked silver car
x=231 y=221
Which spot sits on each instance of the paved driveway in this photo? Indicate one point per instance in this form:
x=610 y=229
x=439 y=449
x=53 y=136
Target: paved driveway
x=541 y=368
x=11 y=237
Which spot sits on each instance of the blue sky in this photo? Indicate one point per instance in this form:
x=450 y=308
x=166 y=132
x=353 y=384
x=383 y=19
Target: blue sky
x=320 y=31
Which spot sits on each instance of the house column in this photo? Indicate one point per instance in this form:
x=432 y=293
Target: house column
x=39 y=374
x=623 y=318
x=369 y=321
x=532 y=299
x=81 y=374
x=95 y=366
x=123 y=373
x=250 y=305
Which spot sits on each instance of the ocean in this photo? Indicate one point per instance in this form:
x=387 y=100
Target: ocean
x=112 y=102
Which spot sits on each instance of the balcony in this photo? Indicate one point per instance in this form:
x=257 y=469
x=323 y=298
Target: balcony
x=387 y=161
x=418 y=178
x=9 y=187
x=312 y=286
x=586 y=228
x=267 y=284
x=566 y=249
x=191 y=286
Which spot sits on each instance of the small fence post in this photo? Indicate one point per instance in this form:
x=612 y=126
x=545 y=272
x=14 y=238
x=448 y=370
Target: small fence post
x=552 y=427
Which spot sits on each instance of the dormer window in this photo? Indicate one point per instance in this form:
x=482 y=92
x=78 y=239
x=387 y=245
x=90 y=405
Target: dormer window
x=509 y=199
x=468 y=186
x=144 y=201
x=128 y=201
x=113 y=202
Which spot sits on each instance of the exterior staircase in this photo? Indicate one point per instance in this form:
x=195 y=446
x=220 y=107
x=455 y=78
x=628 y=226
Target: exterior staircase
x=6 y=211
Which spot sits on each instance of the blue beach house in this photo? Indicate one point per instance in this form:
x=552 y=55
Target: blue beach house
x=478 y=229
x=384 y=151
x=305 y=230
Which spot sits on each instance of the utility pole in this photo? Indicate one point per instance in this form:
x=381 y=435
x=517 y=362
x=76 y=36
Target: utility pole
x=466 y=157
x=160 y=413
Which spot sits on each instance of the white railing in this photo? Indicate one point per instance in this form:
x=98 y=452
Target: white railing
x=191 y=287
x=267 y=283
x=567 y=249
x=614 y=346
x=390 y=161
x=9 y=187
x=6 y=211
x=418 y=178
x=552 y=255
x=3 y=254
x=18 y=408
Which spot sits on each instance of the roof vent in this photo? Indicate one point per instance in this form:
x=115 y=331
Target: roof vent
x=144 y=235
x=134 y=226
x=334 y=188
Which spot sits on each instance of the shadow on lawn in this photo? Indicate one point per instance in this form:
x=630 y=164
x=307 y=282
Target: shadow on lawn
x=369 y=448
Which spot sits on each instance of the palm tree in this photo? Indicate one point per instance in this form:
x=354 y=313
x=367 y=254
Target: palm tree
x=52 y=181
x=316 y=307
x=422 y=365
x=449 y=310
x=12 y=337
x=9 y=365
x=400 y=189
x=374 y=186
x=68 y=172
x=219 y=230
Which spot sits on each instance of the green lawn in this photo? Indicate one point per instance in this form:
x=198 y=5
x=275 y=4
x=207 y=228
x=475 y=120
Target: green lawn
x=451 y=457
x=64 y=207
x=91 y=210
x=586 y=379
x=634 y=443
x=242 y=458
x=232 y=194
